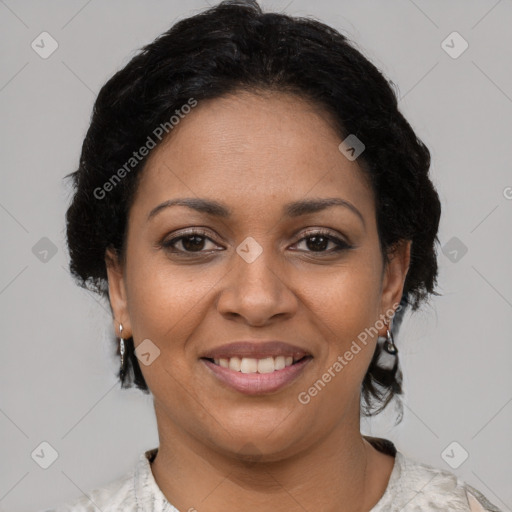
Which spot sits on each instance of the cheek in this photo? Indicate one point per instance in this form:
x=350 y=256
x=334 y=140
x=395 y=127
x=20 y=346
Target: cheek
x=345 y=306
x=163 y=299
x=347 y=298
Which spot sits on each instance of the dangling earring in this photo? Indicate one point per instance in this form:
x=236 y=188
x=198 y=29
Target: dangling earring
x=122 y=350
x=389 y=344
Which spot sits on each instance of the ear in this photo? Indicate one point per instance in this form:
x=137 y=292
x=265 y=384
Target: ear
x=395 y=273
x=117 y=292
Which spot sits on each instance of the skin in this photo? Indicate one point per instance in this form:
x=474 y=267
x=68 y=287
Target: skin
x=220 y=449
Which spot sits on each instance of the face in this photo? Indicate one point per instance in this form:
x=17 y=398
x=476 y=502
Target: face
x=269 y=260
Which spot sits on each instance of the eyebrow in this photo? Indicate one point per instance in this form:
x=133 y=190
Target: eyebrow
x=293 y=209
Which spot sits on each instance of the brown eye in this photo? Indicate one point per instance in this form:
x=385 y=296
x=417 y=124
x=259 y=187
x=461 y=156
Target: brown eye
x=319 y=242
x=192 y=242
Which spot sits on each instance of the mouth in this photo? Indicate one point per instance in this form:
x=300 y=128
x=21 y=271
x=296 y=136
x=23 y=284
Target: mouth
x=250 y=365
x=254 y=367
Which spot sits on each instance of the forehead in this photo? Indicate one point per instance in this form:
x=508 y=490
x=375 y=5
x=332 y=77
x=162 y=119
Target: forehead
x=256 y=149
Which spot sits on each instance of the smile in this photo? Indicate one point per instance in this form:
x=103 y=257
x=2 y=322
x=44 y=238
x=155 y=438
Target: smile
x=253 y=365
x=253 y=376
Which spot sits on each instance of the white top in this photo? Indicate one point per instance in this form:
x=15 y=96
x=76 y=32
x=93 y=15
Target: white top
x=412 y=487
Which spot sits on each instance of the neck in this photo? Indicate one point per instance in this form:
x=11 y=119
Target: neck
x=338 y=474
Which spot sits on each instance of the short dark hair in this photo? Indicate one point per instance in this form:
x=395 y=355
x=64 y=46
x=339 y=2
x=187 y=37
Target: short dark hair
x=225 y=49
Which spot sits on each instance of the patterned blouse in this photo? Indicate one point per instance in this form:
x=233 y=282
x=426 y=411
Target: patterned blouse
x=412 y=487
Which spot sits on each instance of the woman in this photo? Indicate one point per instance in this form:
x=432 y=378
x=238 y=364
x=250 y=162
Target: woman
x=257 y=211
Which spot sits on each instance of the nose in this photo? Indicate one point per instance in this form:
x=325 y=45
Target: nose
x=258 y=291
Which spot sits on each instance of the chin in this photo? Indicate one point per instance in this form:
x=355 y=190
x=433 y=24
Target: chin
x=266 y=440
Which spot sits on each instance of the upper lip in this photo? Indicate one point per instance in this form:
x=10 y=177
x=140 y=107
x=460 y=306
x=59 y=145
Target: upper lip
x=256 y=349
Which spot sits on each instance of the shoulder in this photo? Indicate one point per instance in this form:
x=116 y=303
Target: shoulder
x=136 y=490
x=415 y=487
x=116 y=495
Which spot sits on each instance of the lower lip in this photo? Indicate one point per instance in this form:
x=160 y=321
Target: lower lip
x=257 y=383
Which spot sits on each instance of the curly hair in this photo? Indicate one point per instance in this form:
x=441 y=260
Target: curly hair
x=231 y=47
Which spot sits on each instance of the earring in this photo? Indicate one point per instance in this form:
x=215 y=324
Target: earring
x=389 y=344
x=122 y=350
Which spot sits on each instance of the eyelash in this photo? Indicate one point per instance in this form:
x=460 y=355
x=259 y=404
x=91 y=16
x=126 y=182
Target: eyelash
x=341 y=244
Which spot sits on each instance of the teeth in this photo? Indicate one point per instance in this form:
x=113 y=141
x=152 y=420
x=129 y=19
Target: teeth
x=234 y=364
x=252 y=365
x=266 y=365
x=279 y=362
x=248 y=365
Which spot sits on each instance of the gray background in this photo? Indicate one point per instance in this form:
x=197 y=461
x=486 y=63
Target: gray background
x=57 y=368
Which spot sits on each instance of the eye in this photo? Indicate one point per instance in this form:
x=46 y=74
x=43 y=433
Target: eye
x=318 y=241
x=190 y=242
x=196 y=241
